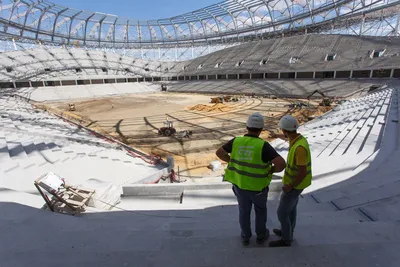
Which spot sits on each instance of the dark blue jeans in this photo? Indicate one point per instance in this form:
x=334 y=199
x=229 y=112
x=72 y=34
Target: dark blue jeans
x=246 y=199
x=287 y=213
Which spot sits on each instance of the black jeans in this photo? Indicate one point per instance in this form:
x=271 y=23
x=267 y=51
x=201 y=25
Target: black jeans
x=245 y=200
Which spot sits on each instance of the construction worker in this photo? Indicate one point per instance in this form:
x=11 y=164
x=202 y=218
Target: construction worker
x=250 y=166
x=296 y=178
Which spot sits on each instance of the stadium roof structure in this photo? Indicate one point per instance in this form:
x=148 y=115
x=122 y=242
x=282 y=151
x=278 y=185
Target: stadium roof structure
x=224 y=22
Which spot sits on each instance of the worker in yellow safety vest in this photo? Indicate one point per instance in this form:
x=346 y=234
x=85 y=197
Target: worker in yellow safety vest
x=296 y=178
x=251 y=162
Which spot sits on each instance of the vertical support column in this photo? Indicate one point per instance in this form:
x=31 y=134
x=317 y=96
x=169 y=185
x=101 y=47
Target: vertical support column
x=391 y=73
x=14 y=44
x=334 y=74
x=313 y=75
x=295 y=75
x=279 y=75
x=30 y=84
x=396 y=28
x=362 y=25
x=351 y=74
x=370 y=73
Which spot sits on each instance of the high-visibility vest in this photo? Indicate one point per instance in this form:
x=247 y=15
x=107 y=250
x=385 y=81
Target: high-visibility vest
x=292 y=170
x=246 y=169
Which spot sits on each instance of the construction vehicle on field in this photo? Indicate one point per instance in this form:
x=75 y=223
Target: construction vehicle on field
x=326 y=101
x=71 y=107
x=168 y=129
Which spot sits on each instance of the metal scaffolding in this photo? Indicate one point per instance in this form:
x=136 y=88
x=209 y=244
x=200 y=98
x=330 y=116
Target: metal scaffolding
x=29 y=23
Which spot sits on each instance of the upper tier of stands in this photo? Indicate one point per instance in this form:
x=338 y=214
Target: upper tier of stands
x=287 y=88
x=307 y=52
x=72 y=63
x=310 y=51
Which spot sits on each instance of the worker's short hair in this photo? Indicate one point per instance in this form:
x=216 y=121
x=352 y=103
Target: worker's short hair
x=254 y=129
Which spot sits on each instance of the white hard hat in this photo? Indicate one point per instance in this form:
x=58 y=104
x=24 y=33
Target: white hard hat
x=288 y=123
x=255 y=120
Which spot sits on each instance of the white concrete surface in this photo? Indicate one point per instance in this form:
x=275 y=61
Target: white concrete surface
x=348 y=217
x=34 y=142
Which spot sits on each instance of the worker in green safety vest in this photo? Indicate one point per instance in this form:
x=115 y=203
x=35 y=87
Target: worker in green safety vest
x=296 y=178
x=251 y=162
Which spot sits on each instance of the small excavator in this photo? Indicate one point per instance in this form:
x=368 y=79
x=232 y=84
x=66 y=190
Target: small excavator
x=326 y=101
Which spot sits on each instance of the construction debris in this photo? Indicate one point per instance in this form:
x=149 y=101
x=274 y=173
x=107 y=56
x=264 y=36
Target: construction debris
x=65 y=198
x=215 y=165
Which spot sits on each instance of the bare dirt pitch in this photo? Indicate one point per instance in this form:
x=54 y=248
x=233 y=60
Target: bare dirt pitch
x=135 y=120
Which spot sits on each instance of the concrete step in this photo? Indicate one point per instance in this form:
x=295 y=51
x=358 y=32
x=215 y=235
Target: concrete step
x=6 y=163
x=16 y=150
x=381 y=165
x=9 y=195
x=50 y=156
x=4 y=153
x=349 y=187
x=383 y=210
x=368 y=196
x=210 y=198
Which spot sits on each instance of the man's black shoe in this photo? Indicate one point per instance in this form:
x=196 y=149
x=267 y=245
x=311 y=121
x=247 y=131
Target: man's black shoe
x=245 y=242
x=279 y=243
x=261 y=239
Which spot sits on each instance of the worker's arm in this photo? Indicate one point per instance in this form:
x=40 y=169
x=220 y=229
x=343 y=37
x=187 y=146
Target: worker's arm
x=278 y=164
x=300 y=176
x=270 y=155
x=223 y=155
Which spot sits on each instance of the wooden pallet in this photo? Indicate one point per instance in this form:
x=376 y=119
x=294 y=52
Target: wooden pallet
x=65 y=198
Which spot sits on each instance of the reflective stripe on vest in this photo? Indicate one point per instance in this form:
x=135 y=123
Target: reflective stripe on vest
x=246 y=168
x=291 y=169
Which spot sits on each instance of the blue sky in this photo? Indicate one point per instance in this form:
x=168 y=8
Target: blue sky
x=139 y=9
